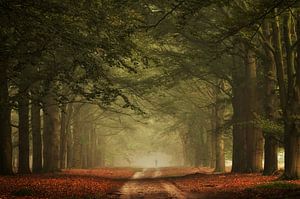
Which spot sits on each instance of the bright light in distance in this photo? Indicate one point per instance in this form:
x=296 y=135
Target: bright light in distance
x=152 y=160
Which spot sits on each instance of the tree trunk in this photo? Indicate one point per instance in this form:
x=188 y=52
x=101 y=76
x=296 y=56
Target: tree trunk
x=84 y=146
x=51 y=135
x=92 y=148
x=5 y=128
x=292 y=151
x=219 y=132
x=101 y=151
x=290 y=100
x=69 y=135
x=278 y=55
x=271 y=144
x=239 y=135
x=209 y=144
x=205 y=147
x=199 y=146
x=37 y=160
x=271 y=153
x=213 y=138
x=254 y=136
x=69 y=147
x=63 y=138
x=292 y=128
x=23 y=106
x=77 y=147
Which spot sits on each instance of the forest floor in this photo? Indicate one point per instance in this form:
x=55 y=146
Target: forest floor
x=146 y=183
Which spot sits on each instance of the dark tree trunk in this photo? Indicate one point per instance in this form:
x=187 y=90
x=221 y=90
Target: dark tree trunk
x=289 y=97
x=271 y=153
x=254 y=135
x=63 y=138
x=5 y=128
x=46 y=141
x=278 y=56
x=23 y=106
x=51 y=135
x=271 y=144
x=292 y=151
x=239 y=136
x=69 y=136
x=36 y=138
x=292 y=126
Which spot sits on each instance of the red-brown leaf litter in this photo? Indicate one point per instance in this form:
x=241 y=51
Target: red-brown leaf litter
x=97 y=183
x=237 y=185
x=77 y=183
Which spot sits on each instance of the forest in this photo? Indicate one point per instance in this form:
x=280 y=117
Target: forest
x=126 y=85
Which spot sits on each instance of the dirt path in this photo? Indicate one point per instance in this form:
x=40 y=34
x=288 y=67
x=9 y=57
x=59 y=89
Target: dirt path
x=148 y=184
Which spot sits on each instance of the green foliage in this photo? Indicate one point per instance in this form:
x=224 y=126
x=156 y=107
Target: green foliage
x=269 y=126
x=66 y=48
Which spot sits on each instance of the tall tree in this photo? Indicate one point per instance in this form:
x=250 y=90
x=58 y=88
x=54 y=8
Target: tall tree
x=292 y=130
x=51 y=132
x=77 y=130
x=5 y=128
x=271 y=143
x=254 y=137
x=37 y=158
x=287 y=77
x=23 y=110
x=63 y=137
x=239 y=136
x=219 y=129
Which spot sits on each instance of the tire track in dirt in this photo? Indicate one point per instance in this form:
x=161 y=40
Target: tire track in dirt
x=148 y=184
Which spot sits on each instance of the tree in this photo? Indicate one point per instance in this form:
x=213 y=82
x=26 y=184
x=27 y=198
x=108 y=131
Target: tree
x=219 y=109
x=23 y=110
x=5 y=143
x=51 y=132
x=53 y=40
x=271 y=143
x=37 y=157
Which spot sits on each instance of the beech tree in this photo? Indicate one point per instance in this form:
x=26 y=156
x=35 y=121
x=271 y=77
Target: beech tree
x=48 y=55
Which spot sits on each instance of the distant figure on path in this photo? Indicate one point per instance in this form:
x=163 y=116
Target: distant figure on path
x=155 y=163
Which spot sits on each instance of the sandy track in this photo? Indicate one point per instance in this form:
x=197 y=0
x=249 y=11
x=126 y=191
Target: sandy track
x=147 y=184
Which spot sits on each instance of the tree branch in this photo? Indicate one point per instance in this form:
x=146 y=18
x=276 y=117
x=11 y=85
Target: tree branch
x=163 y=17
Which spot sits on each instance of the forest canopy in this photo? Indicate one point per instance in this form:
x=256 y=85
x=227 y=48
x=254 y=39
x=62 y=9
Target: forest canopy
x=89 y=83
